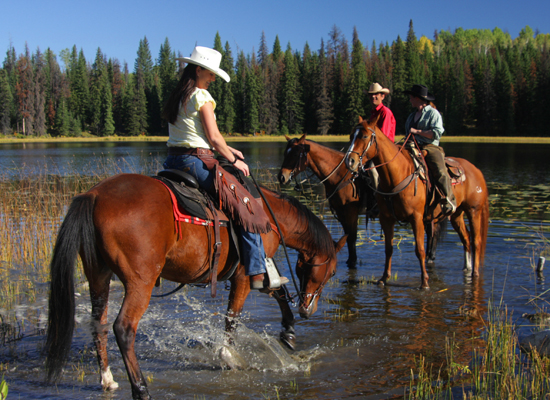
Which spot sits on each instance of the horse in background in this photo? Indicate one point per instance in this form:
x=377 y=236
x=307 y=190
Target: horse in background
x=402 y=197
x=345 y=194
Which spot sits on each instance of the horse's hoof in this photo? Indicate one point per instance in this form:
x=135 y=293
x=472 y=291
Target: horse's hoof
x=352 y=264
x=288 y=339
x=381 y=283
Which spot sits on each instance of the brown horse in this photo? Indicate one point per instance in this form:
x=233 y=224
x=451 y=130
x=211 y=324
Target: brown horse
x=344 y=194
x=125 y=226
x=402 y=197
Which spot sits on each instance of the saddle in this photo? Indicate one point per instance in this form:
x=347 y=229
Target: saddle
x=454 y=169
x=201 y=209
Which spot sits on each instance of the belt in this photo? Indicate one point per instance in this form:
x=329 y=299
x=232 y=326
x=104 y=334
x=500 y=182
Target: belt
x=180 y=151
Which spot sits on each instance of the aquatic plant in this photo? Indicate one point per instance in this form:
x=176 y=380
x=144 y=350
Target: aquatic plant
x=3 y=389
x=497 y=369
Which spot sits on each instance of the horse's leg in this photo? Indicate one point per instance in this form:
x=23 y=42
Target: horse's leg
x=474 y=217
x=136 y=301
x=457 y=221
x=388 y=225
x=99 y=294
x=240 y=288
x=418 y=231
x=287 y=336
x=348 y=217
x=431 y=241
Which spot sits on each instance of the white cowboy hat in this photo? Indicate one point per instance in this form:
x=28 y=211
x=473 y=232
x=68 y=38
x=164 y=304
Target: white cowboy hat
x=207 y=58
x=376 y=88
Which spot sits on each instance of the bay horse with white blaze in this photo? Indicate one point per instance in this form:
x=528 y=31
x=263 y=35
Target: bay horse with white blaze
x=125 y=226
x=402 y=197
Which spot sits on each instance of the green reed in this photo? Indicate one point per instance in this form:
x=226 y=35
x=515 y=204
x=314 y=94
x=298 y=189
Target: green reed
x=33 y=203
x=496 y=370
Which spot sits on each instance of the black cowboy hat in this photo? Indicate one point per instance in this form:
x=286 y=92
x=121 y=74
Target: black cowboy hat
x=420 y=91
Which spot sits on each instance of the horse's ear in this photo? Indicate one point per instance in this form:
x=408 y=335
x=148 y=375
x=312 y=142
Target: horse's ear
x=360 y=119
x=338 y=245
x=288 y=139
x=302 y=139
x=374 y=120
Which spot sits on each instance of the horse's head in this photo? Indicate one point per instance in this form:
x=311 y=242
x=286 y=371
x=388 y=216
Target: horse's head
x=295 y=160
x=314 y=271
x=362 y=145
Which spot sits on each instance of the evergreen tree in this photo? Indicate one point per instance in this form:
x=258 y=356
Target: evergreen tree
x=412 y=59
x=62 y=123
x=147 y=84
x=225 y=113
x=6 y=100
x=24 y=89
x=167 y=74
x=323 y=103
x=252 y=99
x=400 y=102
x=290 y=104
x=216 y=87
x=270 y=68
x=39 y=119
x=356 y=85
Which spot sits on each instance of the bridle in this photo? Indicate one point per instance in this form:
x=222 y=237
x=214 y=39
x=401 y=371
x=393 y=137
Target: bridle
x=301 y=163
x=372 y=141
x=363 y=169
x=318 y=291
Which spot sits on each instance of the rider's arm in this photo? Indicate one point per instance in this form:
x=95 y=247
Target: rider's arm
x=216 y=139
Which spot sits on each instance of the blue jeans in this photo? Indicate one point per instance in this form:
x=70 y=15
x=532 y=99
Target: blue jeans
x=252 y=244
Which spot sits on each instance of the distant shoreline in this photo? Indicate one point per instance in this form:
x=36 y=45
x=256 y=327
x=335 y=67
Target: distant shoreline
x=317 y=138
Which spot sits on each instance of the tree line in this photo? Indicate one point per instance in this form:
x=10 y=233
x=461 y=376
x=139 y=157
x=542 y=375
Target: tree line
x=485 y=83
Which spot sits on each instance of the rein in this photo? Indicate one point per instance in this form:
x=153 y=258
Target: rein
x=401 y=186
x=319 y=289
x=341 y=184
x=282 y=242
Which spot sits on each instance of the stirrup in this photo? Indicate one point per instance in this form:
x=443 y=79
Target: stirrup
x=275 y=280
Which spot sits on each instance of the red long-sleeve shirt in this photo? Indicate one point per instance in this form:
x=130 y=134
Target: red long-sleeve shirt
x=386 y=121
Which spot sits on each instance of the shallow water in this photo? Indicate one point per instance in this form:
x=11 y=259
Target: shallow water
x=362 y=341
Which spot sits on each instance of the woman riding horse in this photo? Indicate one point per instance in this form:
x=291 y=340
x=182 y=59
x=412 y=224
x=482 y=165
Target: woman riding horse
x=194 y=133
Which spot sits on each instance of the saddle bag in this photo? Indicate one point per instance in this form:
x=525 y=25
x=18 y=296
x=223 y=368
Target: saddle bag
x=236 y=201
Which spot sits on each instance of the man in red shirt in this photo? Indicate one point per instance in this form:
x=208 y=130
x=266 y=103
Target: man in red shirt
x=386 y=120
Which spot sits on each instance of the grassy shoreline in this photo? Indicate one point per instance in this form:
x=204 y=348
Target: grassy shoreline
x=239 y=138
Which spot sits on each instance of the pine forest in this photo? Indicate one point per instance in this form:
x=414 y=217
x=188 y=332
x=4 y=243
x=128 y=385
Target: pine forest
x=485 y=83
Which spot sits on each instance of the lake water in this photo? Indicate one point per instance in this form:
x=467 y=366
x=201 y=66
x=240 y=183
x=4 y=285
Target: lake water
x=362 y=341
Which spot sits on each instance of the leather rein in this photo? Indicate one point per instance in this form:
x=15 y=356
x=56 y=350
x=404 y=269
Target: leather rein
x=363 y=169
x=302 y=163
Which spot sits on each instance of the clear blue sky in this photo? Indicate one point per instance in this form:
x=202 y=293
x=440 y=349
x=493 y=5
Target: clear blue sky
x=117 y=26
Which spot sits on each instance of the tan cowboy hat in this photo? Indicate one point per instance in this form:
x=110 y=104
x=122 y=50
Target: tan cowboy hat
x=207 y=58
x=376 y=88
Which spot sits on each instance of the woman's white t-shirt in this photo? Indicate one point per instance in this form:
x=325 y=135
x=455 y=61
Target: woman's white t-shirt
x=188 y=130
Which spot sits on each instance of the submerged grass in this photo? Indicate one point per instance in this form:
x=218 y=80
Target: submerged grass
x=33 y=203
x=497 y=369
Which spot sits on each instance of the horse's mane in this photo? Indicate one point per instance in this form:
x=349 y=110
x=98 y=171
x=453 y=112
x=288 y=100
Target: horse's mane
x=317 y=233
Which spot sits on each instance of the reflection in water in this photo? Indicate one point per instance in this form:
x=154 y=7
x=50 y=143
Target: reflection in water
x=363 y=340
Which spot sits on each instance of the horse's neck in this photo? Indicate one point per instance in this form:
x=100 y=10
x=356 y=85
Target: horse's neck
x=323 y=160
x=395 y=165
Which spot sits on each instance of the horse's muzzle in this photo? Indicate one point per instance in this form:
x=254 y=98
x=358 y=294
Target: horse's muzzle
x=352 y=162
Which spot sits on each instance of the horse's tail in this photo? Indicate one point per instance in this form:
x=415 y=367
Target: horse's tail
x=484 y=229
x=76 y=234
